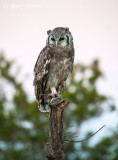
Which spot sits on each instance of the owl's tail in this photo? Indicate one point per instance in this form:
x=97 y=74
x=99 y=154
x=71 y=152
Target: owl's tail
x=43 y=100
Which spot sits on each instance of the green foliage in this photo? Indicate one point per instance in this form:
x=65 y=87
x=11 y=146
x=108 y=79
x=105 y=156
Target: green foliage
x=24 y=130
x=86 y=101
x=107 y=149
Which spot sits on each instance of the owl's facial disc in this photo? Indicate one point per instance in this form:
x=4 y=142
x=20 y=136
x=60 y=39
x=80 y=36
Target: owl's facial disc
x=61 y=41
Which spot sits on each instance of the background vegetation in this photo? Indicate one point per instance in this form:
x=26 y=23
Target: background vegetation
x=24 y=130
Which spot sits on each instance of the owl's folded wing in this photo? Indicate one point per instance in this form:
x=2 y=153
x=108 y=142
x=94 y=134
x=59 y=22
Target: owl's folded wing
x=42 y=65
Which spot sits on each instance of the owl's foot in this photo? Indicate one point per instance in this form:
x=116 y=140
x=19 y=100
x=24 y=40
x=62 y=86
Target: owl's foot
x=53 y=93
x=53 y=90
x=55 y=101
x=54 y=96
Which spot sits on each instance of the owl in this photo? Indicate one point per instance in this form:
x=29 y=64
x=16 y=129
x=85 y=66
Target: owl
x=53 y=66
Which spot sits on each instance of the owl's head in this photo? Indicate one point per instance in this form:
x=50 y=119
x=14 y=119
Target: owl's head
x=60 y=37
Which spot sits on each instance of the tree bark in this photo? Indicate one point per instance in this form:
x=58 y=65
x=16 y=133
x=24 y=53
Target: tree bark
x=55 y=146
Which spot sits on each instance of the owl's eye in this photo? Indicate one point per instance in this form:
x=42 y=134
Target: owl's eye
x=53 y=39
x=61 y=39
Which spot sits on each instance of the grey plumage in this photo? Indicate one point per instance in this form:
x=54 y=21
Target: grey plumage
x=54 y=64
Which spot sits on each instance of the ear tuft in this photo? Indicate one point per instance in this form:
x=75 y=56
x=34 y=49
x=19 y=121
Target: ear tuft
x=67 y=29
x=48 y=32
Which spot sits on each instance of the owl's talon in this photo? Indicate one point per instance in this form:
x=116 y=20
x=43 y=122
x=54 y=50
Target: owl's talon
x=55 y=101
x=53 y=95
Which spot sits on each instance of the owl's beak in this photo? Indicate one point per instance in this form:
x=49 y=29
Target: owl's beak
x=57 y=43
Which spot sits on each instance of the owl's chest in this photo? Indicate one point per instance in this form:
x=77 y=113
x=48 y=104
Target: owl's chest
x=59 y=69
x=60 y=63
x=66 y=63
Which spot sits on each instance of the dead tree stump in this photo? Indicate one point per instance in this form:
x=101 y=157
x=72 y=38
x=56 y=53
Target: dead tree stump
x=55 y=146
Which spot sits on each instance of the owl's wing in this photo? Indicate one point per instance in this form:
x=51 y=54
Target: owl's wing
x=41 y=67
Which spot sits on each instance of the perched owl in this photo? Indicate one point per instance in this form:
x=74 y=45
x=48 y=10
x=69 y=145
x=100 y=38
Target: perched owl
x=54 y=64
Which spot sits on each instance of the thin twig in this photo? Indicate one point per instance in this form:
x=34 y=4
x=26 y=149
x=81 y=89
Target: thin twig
x=87 y=137
x=69 y=133
x=70 y=137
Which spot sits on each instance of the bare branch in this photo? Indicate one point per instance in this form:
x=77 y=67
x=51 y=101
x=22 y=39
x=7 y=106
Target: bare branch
x=55 y=146
x=87 y=137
